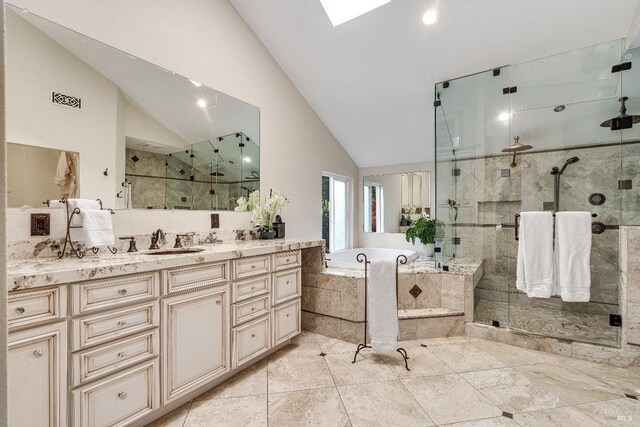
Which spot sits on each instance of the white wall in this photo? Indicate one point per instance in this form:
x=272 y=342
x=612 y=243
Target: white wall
x=3 y=237
x=208 y=41
x=390 y=240
x=35 y=66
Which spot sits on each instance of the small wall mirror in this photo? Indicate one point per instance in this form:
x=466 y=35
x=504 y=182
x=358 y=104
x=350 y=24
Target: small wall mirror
x=393 y=201
x=146 y=137
x=37 y=174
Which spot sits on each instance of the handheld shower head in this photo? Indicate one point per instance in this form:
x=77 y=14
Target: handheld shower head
x=572 y=160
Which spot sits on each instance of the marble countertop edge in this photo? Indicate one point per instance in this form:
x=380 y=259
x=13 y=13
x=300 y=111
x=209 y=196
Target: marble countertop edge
x=39 y=272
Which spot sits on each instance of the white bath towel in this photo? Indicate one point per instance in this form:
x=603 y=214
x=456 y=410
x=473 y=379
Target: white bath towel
x=97 y=228
x=573 y=255
x=534 y=273
x=76 y=232
x=382 y=306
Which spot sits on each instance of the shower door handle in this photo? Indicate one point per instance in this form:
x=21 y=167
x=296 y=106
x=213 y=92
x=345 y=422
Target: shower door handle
x=517 y=226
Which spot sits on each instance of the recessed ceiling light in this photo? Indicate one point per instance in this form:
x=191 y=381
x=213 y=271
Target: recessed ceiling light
x=202 y=103
x=431 y=16
x=247 y=160
x=341 y=11
x=195 y=83
x=504 y=116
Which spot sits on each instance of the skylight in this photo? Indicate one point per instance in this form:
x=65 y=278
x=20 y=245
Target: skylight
x=341 y=11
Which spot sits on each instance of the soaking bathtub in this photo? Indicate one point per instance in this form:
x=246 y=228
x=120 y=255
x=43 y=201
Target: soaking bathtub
x=347 y=258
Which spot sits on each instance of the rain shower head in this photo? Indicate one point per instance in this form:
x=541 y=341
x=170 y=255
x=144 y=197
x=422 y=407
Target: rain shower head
x=514 y=148
x=623 y=121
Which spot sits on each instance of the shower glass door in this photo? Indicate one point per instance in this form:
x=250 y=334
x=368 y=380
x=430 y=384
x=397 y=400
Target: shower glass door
x=558 y=107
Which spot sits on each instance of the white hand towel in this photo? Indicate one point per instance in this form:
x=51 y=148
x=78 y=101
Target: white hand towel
x=76 y=233
x=534 y=273
x=97 y=228
x=382 y=306
x=573 y=255
x=82 y=204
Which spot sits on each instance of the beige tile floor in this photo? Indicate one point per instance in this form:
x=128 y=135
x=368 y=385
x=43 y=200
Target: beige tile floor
x=453 y=381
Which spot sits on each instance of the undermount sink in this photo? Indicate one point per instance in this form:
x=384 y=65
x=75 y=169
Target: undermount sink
x=176 y=251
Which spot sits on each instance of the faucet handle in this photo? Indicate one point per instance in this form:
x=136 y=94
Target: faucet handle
x=179 y=240
x=132 y=243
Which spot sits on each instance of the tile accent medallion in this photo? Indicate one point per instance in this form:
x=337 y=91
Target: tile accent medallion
x=415 y=291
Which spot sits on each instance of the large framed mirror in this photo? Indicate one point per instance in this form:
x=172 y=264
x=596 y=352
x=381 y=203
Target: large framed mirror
x=391 y=202
x=88 y=120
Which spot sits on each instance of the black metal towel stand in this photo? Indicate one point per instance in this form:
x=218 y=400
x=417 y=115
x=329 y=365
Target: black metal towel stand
x=361 y=257
x=67 y=240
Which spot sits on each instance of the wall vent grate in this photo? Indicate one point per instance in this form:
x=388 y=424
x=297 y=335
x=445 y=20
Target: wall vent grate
x=66 y=100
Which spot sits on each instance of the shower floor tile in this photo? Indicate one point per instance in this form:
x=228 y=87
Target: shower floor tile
x=495 y=385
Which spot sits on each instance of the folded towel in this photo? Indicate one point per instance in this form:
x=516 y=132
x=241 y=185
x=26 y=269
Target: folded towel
x=97 y=228
x=75 y=232
x=573 y=255
x=383 y=309
x=535 y=255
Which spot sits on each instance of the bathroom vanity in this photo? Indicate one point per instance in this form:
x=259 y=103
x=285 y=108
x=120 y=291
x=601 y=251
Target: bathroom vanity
x=123 y=339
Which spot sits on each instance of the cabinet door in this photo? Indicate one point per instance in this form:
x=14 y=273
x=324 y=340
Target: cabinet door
x=195 y=342
x=37 y=377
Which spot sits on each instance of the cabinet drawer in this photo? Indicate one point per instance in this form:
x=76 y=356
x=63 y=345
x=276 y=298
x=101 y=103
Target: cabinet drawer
x=250 y=341
x=286 y=285
x=29 y=307
x=252 y=309
x=110 y=293
x=194 y=277
x=286 y=260
x=107 y=358
x=286 y=321
x=105 y=327
x=248 y=289
x=120 y=399
x=247 y=267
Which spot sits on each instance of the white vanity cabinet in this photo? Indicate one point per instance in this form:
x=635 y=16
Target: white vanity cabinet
x=37 y=376
x=286 y=319
x=195 y=334
x=141 y=344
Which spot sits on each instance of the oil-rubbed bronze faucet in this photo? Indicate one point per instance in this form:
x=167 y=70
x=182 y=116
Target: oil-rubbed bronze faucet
x=155 y=236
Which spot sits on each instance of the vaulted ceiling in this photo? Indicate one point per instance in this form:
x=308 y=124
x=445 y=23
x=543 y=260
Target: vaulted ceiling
x=371 y=80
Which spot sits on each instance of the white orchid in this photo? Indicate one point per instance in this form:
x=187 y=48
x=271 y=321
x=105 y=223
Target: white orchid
x=263 y=208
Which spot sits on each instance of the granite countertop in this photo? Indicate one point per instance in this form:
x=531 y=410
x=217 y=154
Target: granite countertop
x=465 y=267
x=37 y=272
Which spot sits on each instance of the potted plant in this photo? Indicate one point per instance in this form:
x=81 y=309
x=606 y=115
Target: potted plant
x=423 y=229
x=264 y=210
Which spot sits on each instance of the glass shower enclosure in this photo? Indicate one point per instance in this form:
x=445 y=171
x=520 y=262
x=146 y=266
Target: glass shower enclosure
x=557 y=105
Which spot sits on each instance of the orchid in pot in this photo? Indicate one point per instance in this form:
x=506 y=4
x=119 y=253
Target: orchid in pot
x=264 y=210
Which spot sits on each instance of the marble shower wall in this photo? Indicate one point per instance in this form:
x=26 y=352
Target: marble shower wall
x=489 y=193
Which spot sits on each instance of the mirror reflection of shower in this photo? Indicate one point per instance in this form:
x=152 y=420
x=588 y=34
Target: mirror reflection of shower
x=557 y=172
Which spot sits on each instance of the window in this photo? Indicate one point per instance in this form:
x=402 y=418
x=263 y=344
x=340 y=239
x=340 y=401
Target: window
x=335 y=211
x=373 y=207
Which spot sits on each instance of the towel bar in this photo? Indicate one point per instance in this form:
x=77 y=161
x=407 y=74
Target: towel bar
x=400 y=259
x=594 y=231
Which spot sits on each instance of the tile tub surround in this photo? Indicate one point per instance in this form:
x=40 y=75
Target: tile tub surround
x=533 y=388
x=333 y=300
x=32 y=273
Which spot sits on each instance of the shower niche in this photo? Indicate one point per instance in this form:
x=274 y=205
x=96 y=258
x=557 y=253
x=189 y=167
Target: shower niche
x=547 y=134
